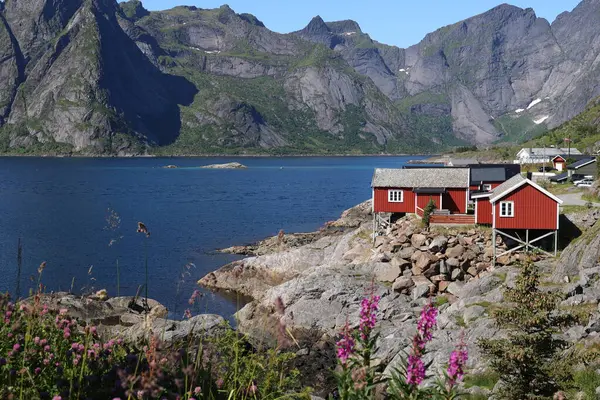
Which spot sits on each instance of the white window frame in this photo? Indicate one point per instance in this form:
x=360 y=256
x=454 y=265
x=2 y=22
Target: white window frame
x=395 y=196
x=505 y=213
x=486 y=187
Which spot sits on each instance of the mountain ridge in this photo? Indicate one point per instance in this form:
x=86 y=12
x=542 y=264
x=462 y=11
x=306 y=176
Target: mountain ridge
x=199 y=81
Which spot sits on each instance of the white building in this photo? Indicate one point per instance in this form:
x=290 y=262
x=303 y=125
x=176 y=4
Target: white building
x=539 y=155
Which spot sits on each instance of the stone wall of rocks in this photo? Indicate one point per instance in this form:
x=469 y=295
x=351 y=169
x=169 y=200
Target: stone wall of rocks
x=420 y=262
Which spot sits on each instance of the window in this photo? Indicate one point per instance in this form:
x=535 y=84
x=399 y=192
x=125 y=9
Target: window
x=395 y=196
x=507 y=208
x=487 y=187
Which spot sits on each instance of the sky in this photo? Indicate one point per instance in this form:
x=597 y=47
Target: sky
x=396 y=22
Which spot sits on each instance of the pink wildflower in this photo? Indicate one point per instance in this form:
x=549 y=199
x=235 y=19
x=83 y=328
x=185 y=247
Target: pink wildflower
x=187 y=314
x=57 y=398
x=36 y=340
x=368 y=315
x=426 y=323
x=197 y=390
x=415 y=371
x=16 y=347
x=457 y=362
x=345 y=346
x=63 y=311
x=220 y=383
x=46 y=348
x=38 y=371
x=195 y=296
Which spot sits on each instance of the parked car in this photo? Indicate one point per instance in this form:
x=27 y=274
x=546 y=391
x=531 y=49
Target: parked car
x=583 y=178
x=546 y=169
x=585 y=183
x=576 y=177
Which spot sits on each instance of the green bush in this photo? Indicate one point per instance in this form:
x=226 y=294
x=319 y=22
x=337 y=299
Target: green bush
x=526 y=360
x=427 y=211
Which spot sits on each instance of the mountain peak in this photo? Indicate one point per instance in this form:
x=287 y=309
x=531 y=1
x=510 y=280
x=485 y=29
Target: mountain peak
x=316 y=26
x=345 y=26
x=134 y=9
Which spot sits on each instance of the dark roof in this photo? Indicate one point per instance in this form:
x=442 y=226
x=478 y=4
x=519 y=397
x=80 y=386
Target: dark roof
x=488 y=174
x=558 y=178
x=421 y=178
x=581 y=163
x=575 y=157
x=493 y=172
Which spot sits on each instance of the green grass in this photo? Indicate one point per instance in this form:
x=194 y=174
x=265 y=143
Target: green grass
x=586 y=381
x=568 y=209
x=563 y=188
x=485 y=380
x=517 y=129
x=441 y=300
x=460 y=321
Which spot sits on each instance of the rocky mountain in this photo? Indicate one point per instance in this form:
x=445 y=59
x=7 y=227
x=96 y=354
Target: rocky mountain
x=95 y=76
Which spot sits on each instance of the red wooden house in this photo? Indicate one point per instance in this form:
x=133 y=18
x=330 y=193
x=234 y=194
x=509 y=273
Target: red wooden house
x=409 y=190
x=519 y=204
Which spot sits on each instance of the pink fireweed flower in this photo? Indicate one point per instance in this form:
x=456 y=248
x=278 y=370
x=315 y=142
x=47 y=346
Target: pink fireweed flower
x=197 y=390
x=57 y=398
x=457 y=362
x=187 y=314
x=195 y=296
x=345 y=346
x=415 y=370
x=368 y=315
x=16 y=347
x=426 y=323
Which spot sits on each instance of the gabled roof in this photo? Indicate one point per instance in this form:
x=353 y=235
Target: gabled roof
x=581 y=163
x=421 y=178
x=575 y=157
x=513 y=184
x=548 y=151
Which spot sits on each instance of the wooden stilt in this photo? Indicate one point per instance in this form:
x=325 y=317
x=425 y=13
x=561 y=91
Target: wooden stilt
x=555 y=243
x=527 y=240
x=494 y=247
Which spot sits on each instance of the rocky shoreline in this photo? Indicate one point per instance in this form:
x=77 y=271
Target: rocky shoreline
x=321 y=277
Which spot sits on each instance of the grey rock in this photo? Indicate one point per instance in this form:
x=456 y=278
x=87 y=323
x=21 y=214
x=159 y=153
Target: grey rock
x=417 y=240
x=386 y=272
x=472 y=313
x=420 y=291
x=455 y=288
x=402 y=284
x=455 y=252
x=438 y=244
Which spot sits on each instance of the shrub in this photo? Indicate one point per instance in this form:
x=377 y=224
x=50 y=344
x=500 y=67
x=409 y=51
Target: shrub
x=524 y=360
x=427 y=211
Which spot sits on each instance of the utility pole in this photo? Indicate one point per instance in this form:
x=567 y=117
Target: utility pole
x=569 y=143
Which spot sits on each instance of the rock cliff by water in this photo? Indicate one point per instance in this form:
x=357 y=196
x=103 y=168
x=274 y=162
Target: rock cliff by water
x=322 y=279
x=98 y=77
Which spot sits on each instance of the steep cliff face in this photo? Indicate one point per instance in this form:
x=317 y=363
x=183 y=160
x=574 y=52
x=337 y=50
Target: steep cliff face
x=97 y=76
x=81 y=80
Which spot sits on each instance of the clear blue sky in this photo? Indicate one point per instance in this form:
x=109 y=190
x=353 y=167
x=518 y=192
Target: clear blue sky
x=398 y=22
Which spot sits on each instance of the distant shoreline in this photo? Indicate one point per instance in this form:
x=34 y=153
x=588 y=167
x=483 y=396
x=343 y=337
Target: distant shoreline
x=218 y=156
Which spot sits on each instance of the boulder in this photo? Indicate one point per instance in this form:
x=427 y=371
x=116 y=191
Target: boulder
x=444 y=269
x=472 y=313
x=442 y=286
x=455 y=252
x=472 y=271
x=452 y=262
x=455 y=288
x=416 y=254
x=422 y=263
x=400 y=263
x=386 y=272
x=402 y=284
x=456 y=274
x=420 y=291
x=406 y=253
x=379 y=241
x=418 y=240
x=504 y=260
x=438 y=244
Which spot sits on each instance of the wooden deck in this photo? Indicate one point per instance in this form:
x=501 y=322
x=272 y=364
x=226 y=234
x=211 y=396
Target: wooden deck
x=453 y=219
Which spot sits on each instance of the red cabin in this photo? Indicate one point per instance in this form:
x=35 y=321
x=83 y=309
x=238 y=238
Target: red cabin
x=518 y=203
x=409 y=190
x=559 y=163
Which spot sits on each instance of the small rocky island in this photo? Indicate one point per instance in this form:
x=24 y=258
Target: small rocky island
x=232 y=165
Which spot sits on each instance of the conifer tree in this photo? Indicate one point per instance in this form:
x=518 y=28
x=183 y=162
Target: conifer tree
x=525 y=360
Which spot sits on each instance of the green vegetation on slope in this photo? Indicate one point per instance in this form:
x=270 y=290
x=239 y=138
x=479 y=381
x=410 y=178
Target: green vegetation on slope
x=583 y=130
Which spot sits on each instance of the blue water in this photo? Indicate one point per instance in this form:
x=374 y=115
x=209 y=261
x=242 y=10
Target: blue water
x=58 y=208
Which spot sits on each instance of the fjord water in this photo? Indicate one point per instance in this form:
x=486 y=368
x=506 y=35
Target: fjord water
x=58 y=208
